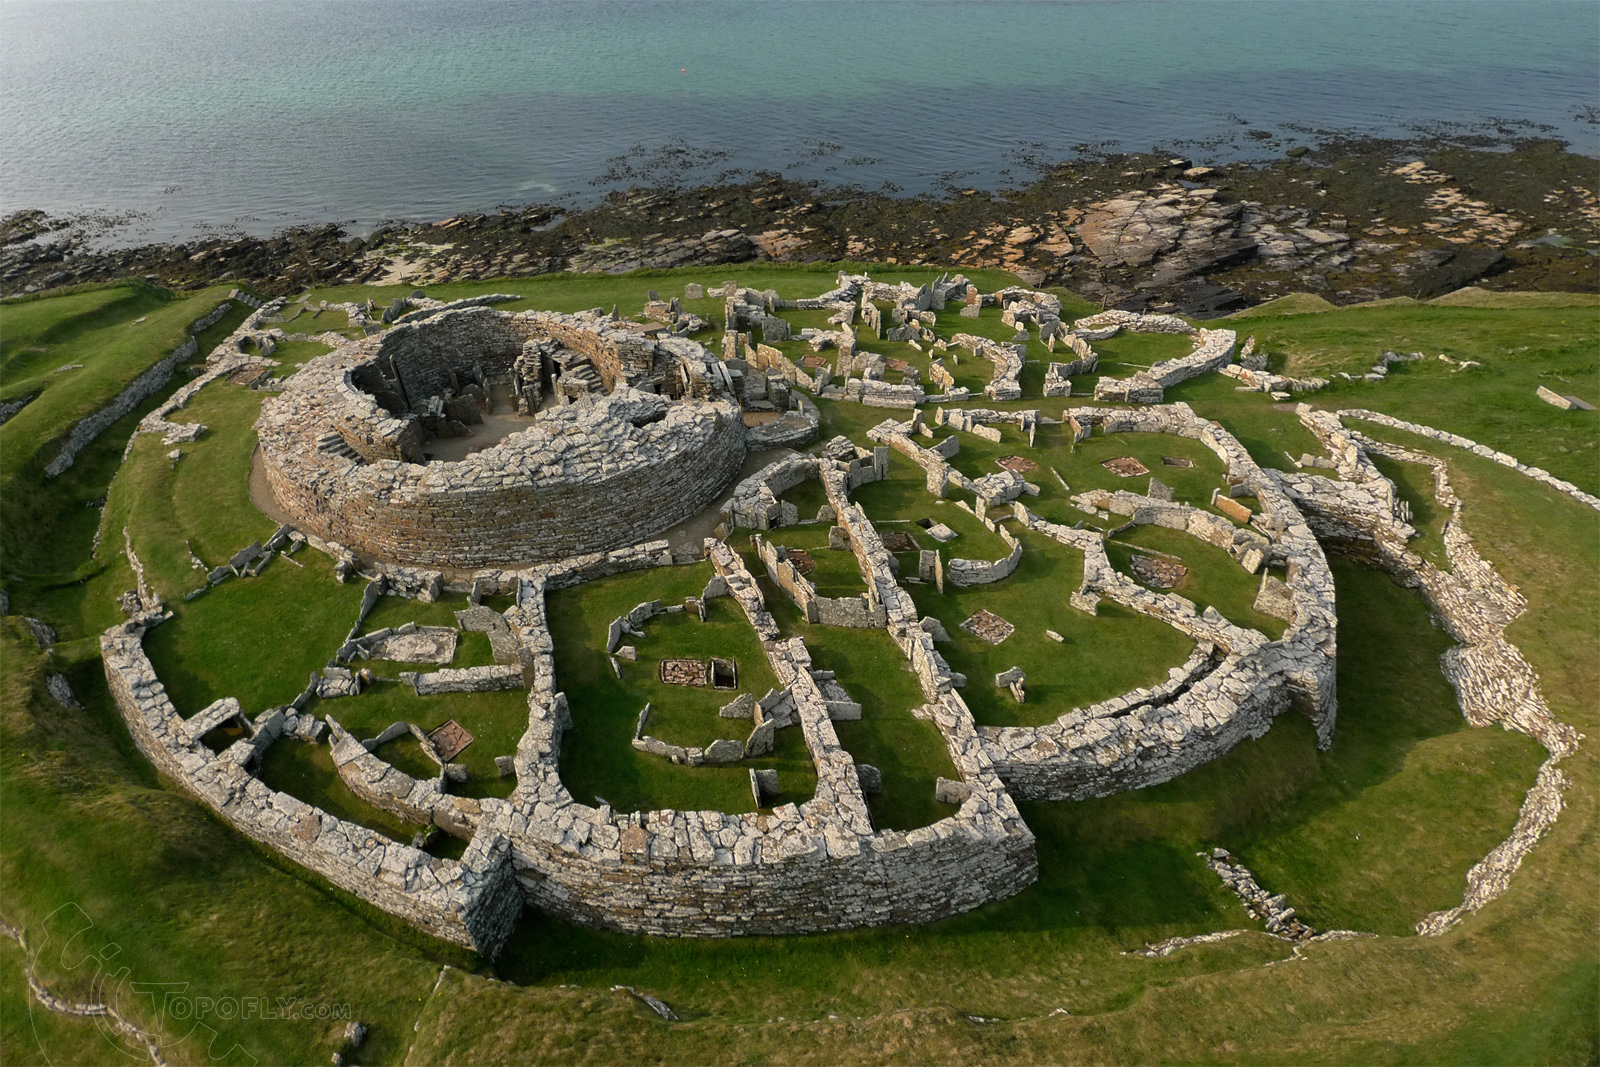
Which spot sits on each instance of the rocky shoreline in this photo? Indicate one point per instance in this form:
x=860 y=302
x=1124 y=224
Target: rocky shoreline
x=1349 y=220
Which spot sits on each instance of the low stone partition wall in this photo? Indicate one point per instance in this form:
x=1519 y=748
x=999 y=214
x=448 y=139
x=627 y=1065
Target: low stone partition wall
x=804 y=867
x=1057 y=375
x=875 y=394
x=467 y=680
x=964 y=572
x=1028 y=305
x=1237 y=680
x=755 y=504
x=877 y=565
x=423 y=307
x=792 y=429
x=1007 y=360
x=741 y=585
x=854 y=612
x=1139 y=389
x=584 y=477
x=384 y=786
x=472 y=902
x=1265 y=382
x=1213 y=350
x=1132 y=321
x=771 y=359
x=935 y=465
x=977 y=421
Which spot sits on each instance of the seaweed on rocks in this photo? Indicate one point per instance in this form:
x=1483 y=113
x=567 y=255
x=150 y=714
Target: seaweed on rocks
x=1352 y=219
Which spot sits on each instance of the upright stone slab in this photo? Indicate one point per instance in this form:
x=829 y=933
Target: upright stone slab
x=761 y=740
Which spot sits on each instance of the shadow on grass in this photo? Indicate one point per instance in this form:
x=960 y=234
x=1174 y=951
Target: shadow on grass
x=1121 y=870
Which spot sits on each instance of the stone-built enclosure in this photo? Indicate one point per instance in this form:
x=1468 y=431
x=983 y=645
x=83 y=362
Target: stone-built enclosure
x=343 y=446
x=598 y=434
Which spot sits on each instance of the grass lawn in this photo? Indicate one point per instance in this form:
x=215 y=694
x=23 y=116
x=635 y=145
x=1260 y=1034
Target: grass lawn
x=597 y=758
x=296 y=354
x=1101 y=655
x=116 y=335
x=837 y=573
x=495 y=720
x=1215 y=578
x=311 y=321
x=808 y=498
x=910 y=752
x=257 y=639
x=1127 y=353
x=1518 y=349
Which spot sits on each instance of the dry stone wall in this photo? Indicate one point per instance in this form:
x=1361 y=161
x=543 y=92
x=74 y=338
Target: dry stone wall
x=855 y=612
x=962 y=572
x=820 y=865
x=807 y=867
x=589 y=476
x=1237 y=680
x=1007 y=360
x=1359 y=513
x=471 y=902
x=85 y=431
x=1213 y=350
x=1538 y=474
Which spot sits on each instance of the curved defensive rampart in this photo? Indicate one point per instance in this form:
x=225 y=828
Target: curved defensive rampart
x=605 y=472
x=470 y=902
x=1236 y=682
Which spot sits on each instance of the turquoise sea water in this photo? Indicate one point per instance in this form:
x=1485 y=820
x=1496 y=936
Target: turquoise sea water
x=210 y=113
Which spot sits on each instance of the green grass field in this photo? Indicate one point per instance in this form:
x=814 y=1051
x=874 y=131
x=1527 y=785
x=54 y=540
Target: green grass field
x=597 y=757
x=1371 y=834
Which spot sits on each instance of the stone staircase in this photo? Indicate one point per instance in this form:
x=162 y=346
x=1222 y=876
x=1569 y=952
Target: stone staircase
x=333 y=444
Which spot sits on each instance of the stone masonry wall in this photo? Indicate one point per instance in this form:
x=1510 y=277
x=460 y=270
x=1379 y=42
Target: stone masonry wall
x=471 y=902
x=86 y=430
x=807 y=867
x=605 y=472
x=1236 y=682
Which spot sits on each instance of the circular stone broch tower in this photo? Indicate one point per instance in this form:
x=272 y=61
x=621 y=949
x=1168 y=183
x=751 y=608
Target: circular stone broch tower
x=348 y=446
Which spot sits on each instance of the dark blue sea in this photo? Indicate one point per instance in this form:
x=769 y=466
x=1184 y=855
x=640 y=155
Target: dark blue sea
x=199 y=115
